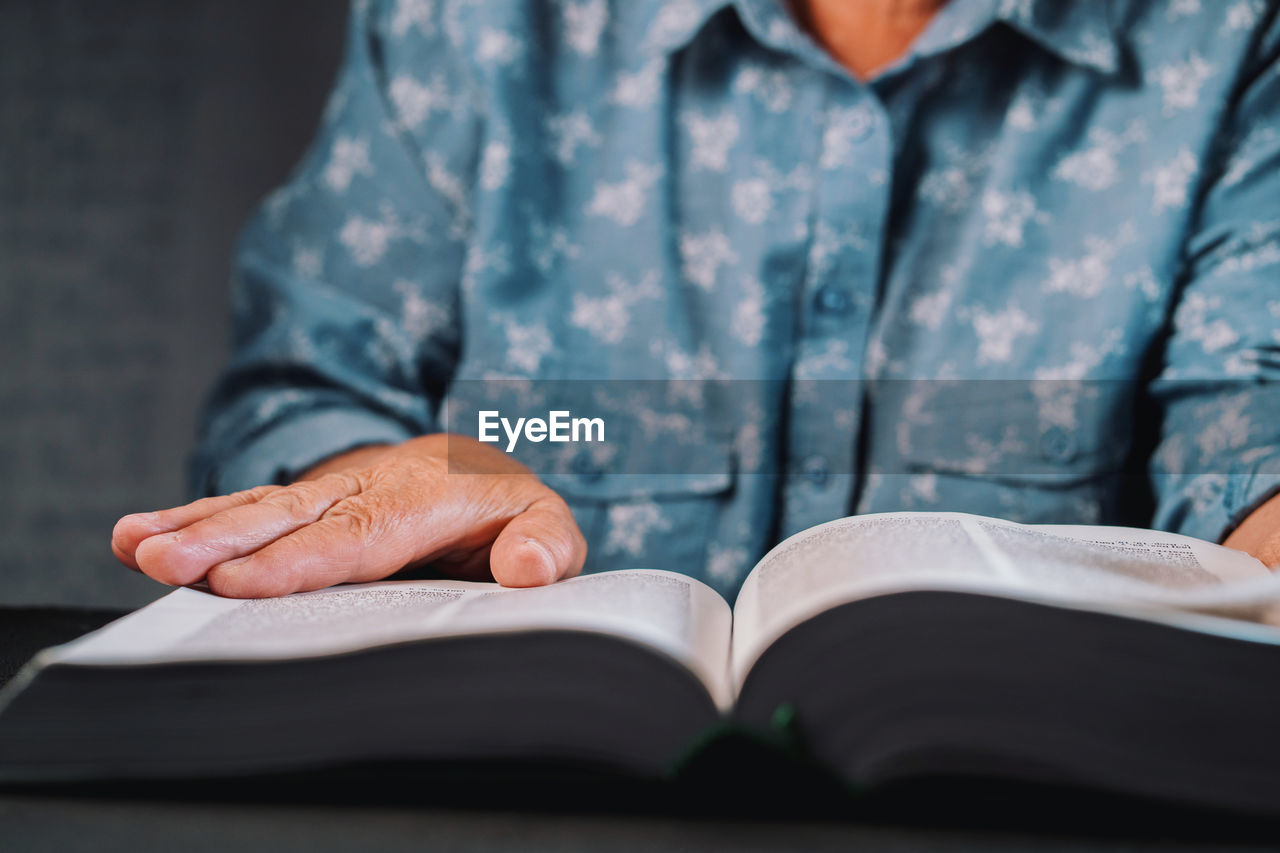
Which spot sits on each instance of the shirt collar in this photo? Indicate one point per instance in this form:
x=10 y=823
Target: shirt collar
x=666 y=26
x=1082 y=32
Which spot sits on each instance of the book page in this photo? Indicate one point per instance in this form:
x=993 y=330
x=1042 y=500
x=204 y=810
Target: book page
x=1093 y=566
x=673 y=614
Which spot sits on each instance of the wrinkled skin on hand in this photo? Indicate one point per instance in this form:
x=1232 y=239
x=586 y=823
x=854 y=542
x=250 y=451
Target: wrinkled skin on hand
x=466 y=509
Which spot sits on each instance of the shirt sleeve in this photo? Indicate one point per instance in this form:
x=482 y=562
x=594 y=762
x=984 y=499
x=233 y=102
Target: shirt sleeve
x=345 y=281
x=1218 y=455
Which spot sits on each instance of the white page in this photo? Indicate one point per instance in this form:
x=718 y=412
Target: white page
x=1131 y=570
x=673 y=614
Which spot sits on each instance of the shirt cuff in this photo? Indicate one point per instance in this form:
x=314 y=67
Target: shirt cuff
x=286 y=450
x=1248 y=489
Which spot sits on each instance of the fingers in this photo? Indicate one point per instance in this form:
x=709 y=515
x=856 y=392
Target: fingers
x=537 y=547
x=335 y=549
x=131 y=530
x=540 y=546
x=184 y=556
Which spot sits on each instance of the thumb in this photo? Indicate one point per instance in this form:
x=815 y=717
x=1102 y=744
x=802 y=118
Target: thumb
x=539 y=546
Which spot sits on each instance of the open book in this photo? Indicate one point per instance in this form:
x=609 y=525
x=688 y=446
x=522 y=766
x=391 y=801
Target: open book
x=900 y=645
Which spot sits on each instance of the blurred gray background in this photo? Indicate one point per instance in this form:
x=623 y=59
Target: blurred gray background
x=135 y=136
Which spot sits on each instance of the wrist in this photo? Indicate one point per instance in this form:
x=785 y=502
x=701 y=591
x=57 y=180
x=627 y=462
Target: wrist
x=358 y=457
x=1259 y=533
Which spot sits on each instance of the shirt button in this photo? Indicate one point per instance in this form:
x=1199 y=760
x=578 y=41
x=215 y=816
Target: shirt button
x=816 y=470
x=586 y=468
x=833 y=299
x=1057 y=445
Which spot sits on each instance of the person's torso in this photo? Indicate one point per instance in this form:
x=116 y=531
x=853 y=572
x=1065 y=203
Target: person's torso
x=992 y=231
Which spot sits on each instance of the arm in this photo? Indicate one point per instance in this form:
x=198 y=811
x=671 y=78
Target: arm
x=1259 y=534
x=1217 y=468
x=320 y=448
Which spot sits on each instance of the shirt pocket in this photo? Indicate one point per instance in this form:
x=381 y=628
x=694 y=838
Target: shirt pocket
x=654 y=521
x=1028 y=451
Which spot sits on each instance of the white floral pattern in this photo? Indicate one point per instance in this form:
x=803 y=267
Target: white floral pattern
x=1049 y=202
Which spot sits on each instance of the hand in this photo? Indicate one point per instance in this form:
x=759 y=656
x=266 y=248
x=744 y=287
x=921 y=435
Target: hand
x=363 y=516
x=1259 y=533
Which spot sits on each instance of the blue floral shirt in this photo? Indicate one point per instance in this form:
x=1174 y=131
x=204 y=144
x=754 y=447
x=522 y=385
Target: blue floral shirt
x=1030 y=270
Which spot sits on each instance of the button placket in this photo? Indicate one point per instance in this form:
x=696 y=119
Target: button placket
x=841 y=279
x=1058 y=445
x=586 y=468
x=833 y=300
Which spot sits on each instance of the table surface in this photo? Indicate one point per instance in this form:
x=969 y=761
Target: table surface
x=251 y=819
